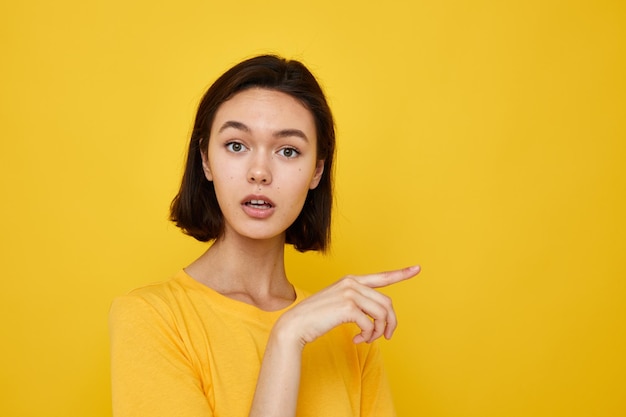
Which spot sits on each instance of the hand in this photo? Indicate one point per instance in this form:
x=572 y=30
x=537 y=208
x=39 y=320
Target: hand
x=353 y=299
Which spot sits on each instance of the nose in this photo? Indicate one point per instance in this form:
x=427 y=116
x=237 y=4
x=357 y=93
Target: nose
x=259 y=172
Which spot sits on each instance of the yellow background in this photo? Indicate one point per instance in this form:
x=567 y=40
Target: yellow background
x=482 y=139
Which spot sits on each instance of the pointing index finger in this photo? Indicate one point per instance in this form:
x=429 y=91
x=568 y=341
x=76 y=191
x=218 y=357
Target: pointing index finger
x=383 y=279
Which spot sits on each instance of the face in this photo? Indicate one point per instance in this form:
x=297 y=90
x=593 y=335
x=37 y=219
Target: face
x=262 y=161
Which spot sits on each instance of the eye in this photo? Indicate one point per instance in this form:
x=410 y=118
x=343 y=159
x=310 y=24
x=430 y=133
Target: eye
x=235 y=147
x=289 y=152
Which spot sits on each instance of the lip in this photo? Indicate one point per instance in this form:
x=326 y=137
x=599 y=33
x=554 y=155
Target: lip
x=258 y=212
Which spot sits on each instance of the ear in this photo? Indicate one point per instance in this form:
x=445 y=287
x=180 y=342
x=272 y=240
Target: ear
x=317 y=175
x=205 y=166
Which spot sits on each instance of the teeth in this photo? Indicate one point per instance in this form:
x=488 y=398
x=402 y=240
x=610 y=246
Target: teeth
x=259 y=203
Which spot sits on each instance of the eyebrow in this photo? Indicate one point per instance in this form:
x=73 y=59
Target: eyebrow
x=284 y=133
x=235 y=125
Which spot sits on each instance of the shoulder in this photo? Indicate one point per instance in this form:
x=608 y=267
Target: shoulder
x=152 y=299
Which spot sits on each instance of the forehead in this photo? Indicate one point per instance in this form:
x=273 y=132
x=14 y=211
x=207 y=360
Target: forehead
x=260 y=108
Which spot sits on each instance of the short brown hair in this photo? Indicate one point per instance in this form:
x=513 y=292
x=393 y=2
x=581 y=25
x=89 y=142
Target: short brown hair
x=195 y=208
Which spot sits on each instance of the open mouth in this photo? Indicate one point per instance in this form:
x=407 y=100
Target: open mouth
x=258 y=204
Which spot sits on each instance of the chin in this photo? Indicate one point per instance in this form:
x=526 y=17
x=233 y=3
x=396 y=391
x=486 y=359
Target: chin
x=260 y=235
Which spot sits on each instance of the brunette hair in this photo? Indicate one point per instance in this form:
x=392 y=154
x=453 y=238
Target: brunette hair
x=195 y=208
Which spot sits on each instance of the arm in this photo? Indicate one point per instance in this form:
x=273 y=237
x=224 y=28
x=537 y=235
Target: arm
x=351 y=300
x=151 y=373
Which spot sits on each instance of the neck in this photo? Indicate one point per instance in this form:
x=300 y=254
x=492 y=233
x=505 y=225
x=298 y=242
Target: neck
x=247 y=270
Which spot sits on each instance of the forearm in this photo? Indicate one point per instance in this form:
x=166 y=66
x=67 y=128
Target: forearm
x=279 y=378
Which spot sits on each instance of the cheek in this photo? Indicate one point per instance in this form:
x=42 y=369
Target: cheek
x=297 y=189
x=223 y=172
x=223 y=183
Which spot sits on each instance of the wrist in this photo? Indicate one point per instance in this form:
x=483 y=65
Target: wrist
x=284 y=335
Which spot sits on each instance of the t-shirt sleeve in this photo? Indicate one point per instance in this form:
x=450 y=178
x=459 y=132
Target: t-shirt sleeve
x=151 y=372
x=376 y=399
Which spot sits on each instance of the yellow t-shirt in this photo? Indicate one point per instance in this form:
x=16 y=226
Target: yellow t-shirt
x=179 y=348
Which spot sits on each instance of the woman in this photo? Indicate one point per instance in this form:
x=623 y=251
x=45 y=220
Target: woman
x=229 y=335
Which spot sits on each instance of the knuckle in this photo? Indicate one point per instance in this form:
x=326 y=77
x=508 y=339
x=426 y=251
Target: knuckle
x=348 y=293
x=392 y=320
x=380 y=323
x=350 y=306
x=368 y=326
x=378 y=312
x=348 y=281
x=386 y=300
